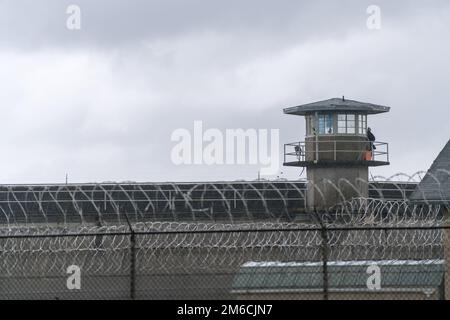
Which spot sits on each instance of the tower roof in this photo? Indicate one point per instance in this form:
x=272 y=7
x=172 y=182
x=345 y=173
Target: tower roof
x=435 y=186
x=336 y=104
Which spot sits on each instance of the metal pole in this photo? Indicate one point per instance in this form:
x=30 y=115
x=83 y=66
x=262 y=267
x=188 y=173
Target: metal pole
x=132 y=260
x=325 y=262
x=317 y=136
x=133 y=266
x=335 y=150
x=387 y=151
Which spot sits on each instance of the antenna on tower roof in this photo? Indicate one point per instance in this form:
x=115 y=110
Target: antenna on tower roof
x=343 y=98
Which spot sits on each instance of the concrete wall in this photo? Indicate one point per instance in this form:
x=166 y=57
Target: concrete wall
x=348 y=147
x=331 y=185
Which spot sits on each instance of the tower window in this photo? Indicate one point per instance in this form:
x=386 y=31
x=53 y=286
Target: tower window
x=346 y=123
x=325 y=124
x=362 y=124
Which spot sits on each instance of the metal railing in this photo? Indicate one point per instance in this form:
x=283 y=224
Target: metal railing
x=336 y=150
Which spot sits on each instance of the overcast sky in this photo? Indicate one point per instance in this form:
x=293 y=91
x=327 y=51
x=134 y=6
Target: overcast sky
x=101 y=103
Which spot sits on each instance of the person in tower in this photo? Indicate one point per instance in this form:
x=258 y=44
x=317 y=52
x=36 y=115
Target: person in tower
x=371 y=139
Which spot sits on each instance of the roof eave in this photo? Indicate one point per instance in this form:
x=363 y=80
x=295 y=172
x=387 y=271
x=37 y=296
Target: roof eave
x=305 y=110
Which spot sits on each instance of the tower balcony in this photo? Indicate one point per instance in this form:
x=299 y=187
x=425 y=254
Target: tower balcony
x=328 y=151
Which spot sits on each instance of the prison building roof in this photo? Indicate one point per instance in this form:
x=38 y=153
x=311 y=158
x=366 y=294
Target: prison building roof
x=308 y=276
x=165 y=201
x=336 y=104
x=435 y=186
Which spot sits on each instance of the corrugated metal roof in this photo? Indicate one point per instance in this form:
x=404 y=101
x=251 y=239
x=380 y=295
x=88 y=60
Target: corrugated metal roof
x=341 y=275
x=336 y=104
x=435 y=186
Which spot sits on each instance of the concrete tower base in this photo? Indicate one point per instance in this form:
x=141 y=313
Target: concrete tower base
x=327 y=187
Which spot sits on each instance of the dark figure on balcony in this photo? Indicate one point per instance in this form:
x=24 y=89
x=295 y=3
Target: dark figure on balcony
x=371 y=138
x=298 y=152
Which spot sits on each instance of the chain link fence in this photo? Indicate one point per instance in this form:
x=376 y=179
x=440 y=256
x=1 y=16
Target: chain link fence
x=400 y=252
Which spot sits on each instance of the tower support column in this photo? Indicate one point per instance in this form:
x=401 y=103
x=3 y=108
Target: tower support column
x=328 y=186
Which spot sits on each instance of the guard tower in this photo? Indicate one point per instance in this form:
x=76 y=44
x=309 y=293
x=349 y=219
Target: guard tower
x=336 y=151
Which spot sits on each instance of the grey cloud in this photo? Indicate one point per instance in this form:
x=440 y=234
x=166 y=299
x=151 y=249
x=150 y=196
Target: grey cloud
x=29 y=24
x=101 y=103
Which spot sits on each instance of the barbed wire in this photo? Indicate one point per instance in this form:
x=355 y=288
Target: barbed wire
x=401 y=177
x=366 y=211
x=206 y=226
x=210 y=201
x=173 y=246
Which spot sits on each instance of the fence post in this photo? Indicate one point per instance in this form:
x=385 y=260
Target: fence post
x=132 y=260
x=334 y=150
x=325 y=261
x=387 y=151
